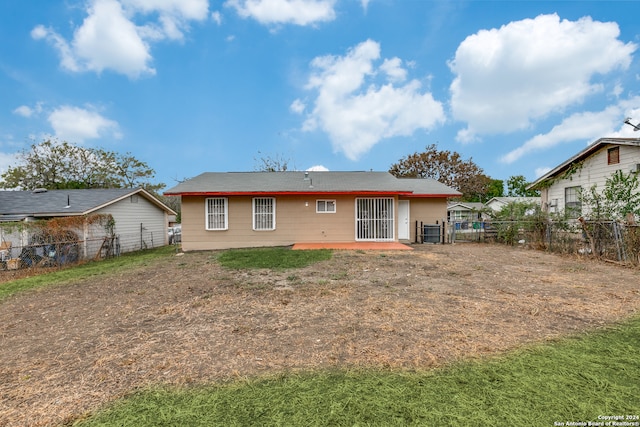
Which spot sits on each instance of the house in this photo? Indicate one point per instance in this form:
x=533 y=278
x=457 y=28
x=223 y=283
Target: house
x=252 y=209
x=495 y=204
x=140 y=218
x=560 y=187
x=464 y=212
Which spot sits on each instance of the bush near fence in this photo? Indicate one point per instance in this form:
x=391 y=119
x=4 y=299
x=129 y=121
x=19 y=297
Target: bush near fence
x=608 y=240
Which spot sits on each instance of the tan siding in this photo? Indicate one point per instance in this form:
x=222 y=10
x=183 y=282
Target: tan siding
x=427 y=211
x=296 y=221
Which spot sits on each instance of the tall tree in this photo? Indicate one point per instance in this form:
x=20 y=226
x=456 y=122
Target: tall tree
x=495 y=189
x=61 y=165
x=447 y=167
x=517 y=187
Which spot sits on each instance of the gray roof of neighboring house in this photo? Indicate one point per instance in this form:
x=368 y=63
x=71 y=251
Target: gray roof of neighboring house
x=474 y=206
x=16 y=205
x=588 y=151
x=309 y=183
x=506 y=200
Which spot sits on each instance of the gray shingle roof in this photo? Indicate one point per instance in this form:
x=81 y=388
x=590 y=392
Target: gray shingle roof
x=308 y=182
x=15 y=205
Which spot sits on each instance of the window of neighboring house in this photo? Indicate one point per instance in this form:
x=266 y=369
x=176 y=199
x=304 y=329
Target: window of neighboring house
x=572 y=203
x=216 y=214
x=613 y=156
x=325 y=206
x=264 y=213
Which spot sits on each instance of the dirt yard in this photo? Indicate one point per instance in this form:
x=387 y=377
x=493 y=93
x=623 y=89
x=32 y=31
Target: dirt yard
x=68 y=350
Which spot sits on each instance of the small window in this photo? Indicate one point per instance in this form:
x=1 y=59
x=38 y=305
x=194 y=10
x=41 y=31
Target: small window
x=572 y=202
x=216 y=214
x=325 y=206
x=264 y=213
x=613 y=156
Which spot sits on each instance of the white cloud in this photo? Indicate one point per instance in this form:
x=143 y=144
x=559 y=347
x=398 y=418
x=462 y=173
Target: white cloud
x=365 y=4
x=176 y=9
x=297 y=106
x=355 y=112
x=174 y=15
x=216 y=17
x=23 y=111
x=109 y=39
x=298 y=12
x=74 y=124
x=508 y=77
x=318 y=168
x=587 y=126
x=541 y=171
x=393 y=69
x=26 y=111
x=6 y=160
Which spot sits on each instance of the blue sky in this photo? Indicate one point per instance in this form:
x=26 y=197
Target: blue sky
x=190 y=86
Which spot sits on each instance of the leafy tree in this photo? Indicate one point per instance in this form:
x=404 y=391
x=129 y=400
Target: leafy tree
x=495 y=188
x=619 y=200
x=515 y=218
x=53 y=165
x=447 y=167
x=517 y=187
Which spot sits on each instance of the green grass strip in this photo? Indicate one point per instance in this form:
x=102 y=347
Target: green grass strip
x=575 y=380
x=83 y=271
x=276 y=258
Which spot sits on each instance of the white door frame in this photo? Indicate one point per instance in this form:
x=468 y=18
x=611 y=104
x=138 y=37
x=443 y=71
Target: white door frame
x=404 y=231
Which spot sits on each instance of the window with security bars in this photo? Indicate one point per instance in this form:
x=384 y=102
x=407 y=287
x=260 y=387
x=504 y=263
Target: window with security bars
x=374 y=219
x=216 y=215
x=572 y=202
x=264 y=213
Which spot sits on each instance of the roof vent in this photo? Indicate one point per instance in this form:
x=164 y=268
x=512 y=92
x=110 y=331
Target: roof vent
x=39 y=190
x=306 y=175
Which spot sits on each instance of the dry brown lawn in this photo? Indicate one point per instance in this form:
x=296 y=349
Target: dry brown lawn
x=67 y=350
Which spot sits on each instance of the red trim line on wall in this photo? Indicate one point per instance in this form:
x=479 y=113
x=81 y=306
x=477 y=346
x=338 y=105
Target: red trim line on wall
x=291 y=193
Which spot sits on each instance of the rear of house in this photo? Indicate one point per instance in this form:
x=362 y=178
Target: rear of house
x=252 y=209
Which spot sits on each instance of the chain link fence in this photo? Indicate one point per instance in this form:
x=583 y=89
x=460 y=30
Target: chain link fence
x=609 y=240
x=27 y=248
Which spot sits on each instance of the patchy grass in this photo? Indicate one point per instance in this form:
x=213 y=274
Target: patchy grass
x=278 y=258
x=72 y=273
x=577 y=379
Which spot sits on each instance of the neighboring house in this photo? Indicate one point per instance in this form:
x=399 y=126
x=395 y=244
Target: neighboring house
x=495 y=204
x=140 y=219
x=560 y=188
x=252 y=209
x=461 y=212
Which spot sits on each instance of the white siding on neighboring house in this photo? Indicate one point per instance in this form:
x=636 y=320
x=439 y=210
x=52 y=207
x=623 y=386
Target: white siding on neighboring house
x=140 y=224
x=595 y=170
